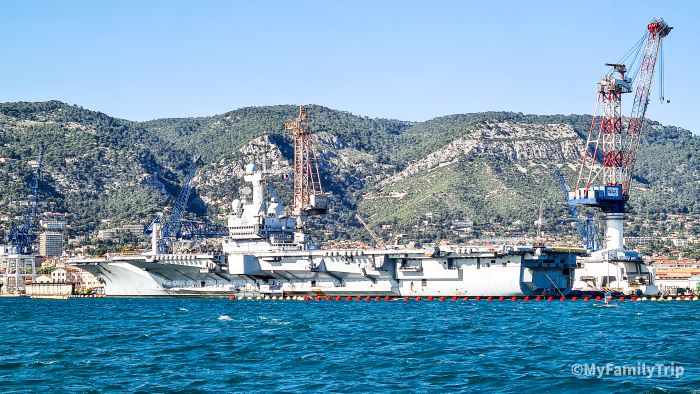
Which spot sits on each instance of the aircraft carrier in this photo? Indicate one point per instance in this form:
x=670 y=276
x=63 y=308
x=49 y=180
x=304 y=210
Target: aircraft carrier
x=269 y=252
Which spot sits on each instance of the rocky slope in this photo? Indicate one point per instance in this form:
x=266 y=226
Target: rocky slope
x=414 y=178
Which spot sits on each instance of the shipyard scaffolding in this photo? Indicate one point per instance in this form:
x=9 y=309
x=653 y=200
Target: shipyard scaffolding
x=16 y=257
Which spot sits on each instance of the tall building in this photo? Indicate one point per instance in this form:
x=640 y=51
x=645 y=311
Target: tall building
x=51 y=244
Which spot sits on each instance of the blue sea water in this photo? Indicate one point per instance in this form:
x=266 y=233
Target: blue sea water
x=218 y=345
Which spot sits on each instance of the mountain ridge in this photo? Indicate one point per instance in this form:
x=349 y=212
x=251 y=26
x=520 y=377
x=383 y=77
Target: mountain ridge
x=103 y=170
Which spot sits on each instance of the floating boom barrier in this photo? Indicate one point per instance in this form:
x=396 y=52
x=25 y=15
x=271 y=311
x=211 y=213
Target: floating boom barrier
x=455 y=299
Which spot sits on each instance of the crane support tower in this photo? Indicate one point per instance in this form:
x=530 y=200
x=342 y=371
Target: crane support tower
x=309 y=198
x=21 y=236
x=17 y=258
x=611 y=148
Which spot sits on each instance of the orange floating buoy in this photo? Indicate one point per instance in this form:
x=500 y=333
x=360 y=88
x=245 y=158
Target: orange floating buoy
x=417 y=298
x=501 y=298
x=430 y=298
x=633 y=299
x=387 y=298
x=328 y=298
x=597 y=298
x=622 y=298
x=337 y=298
x=318 y=298
x=442 y=298
x=454 y=298
x=538 y=298
x=682 y=298
x=377 y=298
x=348 y=298
x=232 y=298
x=477 y=299
x=307 y=298
x=526 y=298
x=405 y=298
x=550 y=298
x=489 y=298
x=562 y=298
x=465 y=298
x=586 y=298
x=359 y=298
x=513 y=298
x=368 y=298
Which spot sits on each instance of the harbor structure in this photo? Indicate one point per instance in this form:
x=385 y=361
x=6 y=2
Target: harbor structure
x=605 y=172
x=17 y=266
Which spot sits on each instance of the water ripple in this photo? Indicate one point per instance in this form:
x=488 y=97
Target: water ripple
x=217 y=345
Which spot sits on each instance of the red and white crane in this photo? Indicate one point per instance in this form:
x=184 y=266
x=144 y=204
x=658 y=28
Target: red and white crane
x=309 y=198
x=612 y=146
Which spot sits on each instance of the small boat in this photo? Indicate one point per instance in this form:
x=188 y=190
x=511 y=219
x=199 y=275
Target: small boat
x=608 y=296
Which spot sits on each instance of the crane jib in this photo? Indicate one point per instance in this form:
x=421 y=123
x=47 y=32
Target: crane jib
x=612 y=146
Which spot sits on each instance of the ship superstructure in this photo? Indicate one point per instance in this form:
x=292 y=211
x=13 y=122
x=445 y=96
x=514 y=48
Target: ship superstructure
x=271 y=249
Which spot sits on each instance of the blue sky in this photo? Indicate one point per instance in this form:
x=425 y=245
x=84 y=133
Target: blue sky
x=411 y=60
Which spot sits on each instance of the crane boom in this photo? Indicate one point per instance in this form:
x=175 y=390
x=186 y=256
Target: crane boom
x=656 y=31
x=611 y=149
x=170 y=228
x=21 y=235
x=165 y=231
x=380 y=242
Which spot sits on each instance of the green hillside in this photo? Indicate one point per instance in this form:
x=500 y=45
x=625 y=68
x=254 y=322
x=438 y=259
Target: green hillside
x=492 y=168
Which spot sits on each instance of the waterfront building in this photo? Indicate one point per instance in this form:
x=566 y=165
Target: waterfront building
x=51 y=244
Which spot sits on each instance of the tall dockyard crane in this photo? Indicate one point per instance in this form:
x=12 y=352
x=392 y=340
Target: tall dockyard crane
x=167 y=231
x=21 y=236
x=611 y=150
x=309 y=198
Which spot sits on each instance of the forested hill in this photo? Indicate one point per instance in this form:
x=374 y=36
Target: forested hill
x=414 y=178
